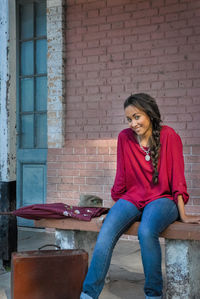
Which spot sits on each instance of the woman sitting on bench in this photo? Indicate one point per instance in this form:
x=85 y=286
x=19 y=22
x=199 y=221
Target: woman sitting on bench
x=149 y=186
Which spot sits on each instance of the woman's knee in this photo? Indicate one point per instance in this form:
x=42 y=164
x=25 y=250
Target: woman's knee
x=147 y=233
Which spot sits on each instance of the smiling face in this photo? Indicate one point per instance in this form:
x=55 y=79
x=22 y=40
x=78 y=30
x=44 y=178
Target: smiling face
x=138 y=121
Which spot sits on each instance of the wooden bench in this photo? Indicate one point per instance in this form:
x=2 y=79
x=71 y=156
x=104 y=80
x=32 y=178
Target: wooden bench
x=182 y=250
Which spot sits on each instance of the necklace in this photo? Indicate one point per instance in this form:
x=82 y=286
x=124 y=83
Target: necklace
x=147 y=156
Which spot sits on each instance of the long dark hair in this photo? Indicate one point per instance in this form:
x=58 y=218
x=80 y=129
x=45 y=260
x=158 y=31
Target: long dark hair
x=148 y=104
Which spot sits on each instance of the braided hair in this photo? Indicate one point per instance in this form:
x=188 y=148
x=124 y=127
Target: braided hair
x=148 y=104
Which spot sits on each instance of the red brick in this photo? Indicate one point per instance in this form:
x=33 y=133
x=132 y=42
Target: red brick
x=143 y=37
x=52 y=196
x=185 y=83
x=144 y=21
x=158 y=3
x=103 y=150
x=54 y=165
x=91 y=158
x=129 y=24
x=67 y=195
x=193 y=159
x=195 y=201
x=94 y=5
x=170 y=117
x=131 y=6
x=67 y=180
x=196 y=133
x=195 y=192
x=109 y=158
x=196 y=150
x=117 y=41
x=143 y=5
x=68 y=187
x=91 y=173
x=68 y=172
x=117 y=10
x=105 y=11
x=51 y=187
x=91 y=188
x=157 y=19
x=52 y=172
x=105 y=89
x=94 y=51
x=144 y=13
x=119 y=48
x=95 y=35
x=79 y=180
x=121 y=32
x=112 y=3
x=93 y=13
x=157 y=85
x=171 y=84
x=193 y=125
x=68 y=158
x=96 y=181
x=193 y=209
x=194 y=4
x=54 y=180
x=92 y=59
x=186 y=150
x=193 y=140
x=173 y=8
x=104 y=27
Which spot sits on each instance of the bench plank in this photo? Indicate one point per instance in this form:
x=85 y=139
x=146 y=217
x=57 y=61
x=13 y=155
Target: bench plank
x=177 y=230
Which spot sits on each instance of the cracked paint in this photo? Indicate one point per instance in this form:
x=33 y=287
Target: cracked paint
x=7 y=106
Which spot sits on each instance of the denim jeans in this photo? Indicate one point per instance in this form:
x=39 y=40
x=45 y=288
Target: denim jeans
x=155 y=217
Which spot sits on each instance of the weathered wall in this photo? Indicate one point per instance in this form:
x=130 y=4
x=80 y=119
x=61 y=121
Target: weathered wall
x=56 y=72
x=115 y=48
x=8 y=225
x=7 y=92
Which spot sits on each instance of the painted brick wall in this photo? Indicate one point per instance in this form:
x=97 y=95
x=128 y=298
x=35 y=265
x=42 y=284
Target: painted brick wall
x=115 y=48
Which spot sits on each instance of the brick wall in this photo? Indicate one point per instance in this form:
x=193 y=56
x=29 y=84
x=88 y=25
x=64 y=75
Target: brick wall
x=115 y=48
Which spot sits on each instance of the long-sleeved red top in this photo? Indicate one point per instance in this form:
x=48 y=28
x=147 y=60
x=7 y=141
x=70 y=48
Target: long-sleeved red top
x=133 y=181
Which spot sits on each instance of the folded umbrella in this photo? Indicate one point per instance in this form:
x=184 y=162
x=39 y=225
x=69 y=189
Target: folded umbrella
x=57 y=211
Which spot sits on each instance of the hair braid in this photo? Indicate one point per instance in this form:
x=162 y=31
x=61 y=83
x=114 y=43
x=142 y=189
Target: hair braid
x=155 y=151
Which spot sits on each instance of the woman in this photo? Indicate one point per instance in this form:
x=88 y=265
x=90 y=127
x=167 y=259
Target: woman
x=149 y=186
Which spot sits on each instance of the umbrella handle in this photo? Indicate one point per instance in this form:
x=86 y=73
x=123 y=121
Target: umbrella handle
x=58 y=247
x=6 y=213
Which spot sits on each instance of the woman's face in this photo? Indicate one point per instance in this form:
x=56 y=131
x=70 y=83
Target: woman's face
x=138 y=121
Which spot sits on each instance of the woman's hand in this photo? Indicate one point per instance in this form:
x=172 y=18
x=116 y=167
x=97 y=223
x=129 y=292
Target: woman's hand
x=190 y=218
x=184 y=217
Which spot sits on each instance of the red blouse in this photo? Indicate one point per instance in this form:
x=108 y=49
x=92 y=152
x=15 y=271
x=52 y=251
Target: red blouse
x=133 y=181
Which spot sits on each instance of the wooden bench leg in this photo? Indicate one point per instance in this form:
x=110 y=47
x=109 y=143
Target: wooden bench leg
x=182 y=269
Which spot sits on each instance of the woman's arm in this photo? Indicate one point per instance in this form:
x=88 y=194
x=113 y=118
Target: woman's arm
x=176 y=164
x=119 y=187
x=186 y=218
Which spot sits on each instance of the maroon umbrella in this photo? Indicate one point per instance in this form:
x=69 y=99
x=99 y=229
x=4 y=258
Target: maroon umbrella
x=57 y=211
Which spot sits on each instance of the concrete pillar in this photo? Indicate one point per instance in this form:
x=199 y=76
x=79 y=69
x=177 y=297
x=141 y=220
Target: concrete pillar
x=76 y=240
x=56 y=72
x=182 y=269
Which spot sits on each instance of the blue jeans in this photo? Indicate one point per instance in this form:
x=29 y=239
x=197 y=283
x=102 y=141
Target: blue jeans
x=155 y=217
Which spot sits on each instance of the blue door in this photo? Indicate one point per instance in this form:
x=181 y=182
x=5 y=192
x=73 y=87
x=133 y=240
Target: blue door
x=31 y=105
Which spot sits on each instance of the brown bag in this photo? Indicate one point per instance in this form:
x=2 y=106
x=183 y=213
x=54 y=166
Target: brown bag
x=52 y=274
